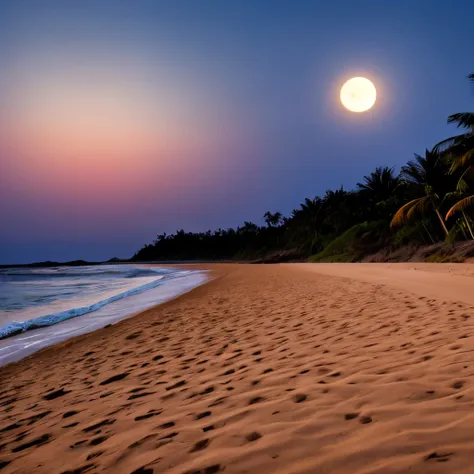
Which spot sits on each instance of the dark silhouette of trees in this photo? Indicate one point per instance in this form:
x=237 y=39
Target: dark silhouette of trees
x=272 y=220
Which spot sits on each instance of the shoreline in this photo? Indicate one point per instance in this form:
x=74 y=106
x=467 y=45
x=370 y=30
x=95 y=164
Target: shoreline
x=261 y=369
x=23 y=343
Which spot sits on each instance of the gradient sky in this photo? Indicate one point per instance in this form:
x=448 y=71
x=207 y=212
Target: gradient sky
x=120 y=120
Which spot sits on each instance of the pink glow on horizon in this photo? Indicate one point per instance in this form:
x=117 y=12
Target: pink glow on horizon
x=103 y=136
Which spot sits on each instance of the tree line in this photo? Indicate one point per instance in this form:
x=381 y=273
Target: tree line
x=430 y=200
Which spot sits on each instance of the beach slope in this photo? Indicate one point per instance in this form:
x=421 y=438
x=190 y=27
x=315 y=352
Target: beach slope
x=297 y=368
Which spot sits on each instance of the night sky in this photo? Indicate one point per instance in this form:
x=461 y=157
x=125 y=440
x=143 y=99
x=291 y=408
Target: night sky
x=120 y=120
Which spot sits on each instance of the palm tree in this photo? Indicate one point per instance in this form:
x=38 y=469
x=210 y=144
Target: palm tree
x=305 y=218
x=426 y=176
x=335 y=210
x=459 y=151
x=248 y=227
x=380 y=185
x=272 y=220
x=380 y=193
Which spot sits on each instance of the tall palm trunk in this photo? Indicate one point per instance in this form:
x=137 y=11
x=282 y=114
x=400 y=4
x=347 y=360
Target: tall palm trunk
x=468 y=225
x=441 y=221
x=428 y=232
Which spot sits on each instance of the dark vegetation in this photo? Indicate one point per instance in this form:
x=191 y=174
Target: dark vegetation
x=73 y=263
x=431 y=200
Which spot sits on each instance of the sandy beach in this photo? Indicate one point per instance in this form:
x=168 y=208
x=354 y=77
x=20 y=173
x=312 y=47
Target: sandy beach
x=292 y=368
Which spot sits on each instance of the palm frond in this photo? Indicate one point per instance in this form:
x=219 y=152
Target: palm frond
x=409 y=210
x=465 y=179
x=462 y=119
x=450 y=142
x=414 y=171
x=453 y=195
x=460 y=206
x=466 y=158
x=468 y=175
x=462 y=155
x=420 y=207
x=462 y=186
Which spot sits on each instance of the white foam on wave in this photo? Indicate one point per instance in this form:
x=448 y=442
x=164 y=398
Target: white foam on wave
x=14 y=327
x=52 y=329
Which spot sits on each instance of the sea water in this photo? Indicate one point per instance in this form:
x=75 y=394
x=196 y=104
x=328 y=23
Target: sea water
x=43 y=306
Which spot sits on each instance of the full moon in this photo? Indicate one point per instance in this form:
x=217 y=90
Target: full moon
x=358 y=94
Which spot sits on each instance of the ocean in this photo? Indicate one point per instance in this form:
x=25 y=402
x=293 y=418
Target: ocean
x=43 y=306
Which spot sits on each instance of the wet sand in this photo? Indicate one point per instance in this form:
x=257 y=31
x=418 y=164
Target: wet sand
x=268 y=369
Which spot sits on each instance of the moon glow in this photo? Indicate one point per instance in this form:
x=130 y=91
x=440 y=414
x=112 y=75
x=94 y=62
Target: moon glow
x=358 y=94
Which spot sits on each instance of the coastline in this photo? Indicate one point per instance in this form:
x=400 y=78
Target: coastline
x=212 y=274
x=262 y=368
x=29 y=336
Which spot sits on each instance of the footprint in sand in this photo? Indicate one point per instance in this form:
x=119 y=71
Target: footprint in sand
x=71 y=425
x=176 y=385
x=80 y=470
x=351 y=416
x=218 y=401
x=78 y=443
x=43 y=439
x=200 y=445
x=207 y=390
x=114 y=378
x=301 y=397
x=56 y=394
x=170 y=424
x=98 y=440
x=99 y=425
x=95 y=455
x=140 y=395
x=148 y=415
x=143 y=470
x=254 y=436
x=206 y=470
x=203 y=415
x=169 y=436
x=438 y=457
